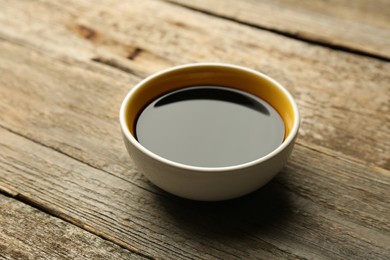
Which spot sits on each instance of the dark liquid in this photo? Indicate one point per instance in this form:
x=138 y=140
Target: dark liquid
x=210 y=127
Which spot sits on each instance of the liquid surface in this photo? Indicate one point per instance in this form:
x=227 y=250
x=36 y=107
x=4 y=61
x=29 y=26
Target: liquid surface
x=210 y=127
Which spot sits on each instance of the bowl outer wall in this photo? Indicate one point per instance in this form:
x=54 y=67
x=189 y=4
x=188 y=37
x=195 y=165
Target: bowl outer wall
x=202 y=183
x=197 y=184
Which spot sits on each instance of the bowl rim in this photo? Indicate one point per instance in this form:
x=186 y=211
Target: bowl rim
x=290 y=138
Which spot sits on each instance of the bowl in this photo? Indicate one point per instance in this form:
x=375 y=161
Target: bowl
x=208 y=183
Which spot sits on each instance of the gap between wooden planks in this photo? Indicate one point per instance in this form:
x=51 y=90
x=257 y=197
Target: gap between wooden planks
x=84 y=74
x=359 y=27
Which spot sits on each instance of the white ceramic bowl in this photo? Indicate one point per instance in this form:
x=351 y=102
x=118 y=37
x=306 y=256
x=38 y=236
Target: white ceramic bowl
x=209 y=183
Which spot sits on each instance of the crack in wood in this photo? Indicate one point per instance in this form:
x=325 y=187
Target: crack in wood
x=131 y=52
x=300 y=36
x=86 y=32
x=114 y=64
x=135 y=53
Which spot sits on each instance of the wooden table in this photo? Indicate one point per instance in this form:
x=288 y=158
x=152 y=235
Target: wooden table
x=69 y=189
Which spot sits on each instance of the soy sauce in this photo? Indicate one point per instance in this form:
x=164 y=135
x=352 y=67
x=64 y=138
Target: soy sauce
x=210 y=126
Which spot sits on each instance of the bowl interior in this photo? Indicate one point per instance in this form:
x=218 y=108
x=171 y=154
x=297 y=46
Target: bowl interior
x=216 y=75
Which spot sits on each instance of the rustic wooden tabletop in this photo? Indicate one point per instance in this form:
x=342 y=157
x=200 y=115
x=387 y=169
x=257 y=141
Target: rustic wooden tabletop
x=69 y=189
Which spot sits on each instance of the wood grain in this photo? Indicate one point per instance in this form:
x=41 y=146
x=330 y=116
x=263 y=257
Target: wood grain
x=359 y=26
x=282 y=220
x=27 y=233
x=330 y=87
x=61 y=148
x=137 y=216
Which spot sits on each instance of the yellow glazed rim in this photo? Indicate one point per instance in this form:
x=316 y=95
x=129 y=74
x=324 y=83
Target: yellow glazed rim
x=220 y=74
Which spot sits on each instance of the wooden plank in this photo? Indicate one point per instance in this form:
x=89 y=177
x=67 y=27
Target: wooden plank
x=319 y=206
x=63 y=149
x=330 y=87
x=277 y=221
x=27 y=233
x=359 y=26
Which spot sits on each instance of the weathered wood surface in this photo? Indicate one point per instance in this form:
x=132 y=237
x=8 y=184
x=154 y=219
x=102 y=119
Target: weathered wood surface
x=359 y=26
x=65 y=72
x=282 y=220
x=27 y=233
x=330 y=87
